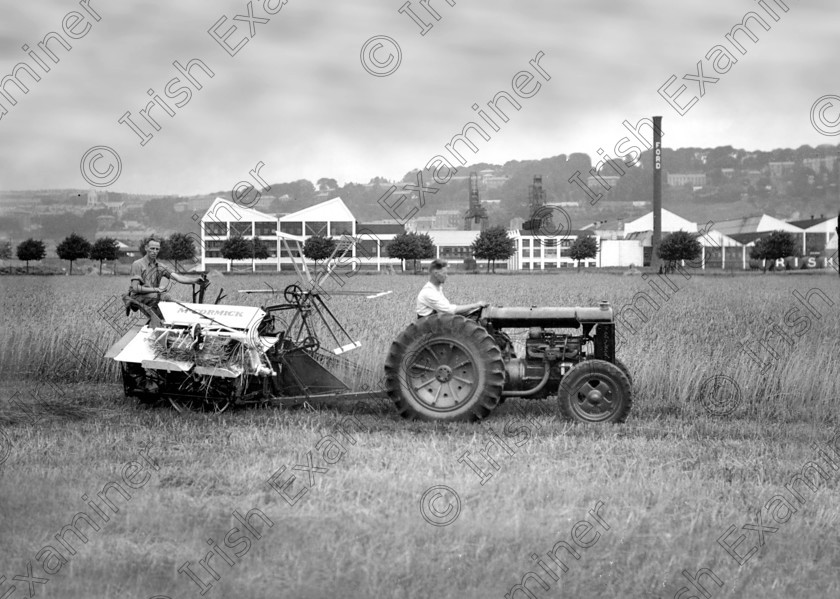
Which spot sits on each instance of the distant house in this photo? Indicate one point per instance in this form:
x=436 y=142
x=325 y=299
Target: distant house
x=495 y=182
x=595 y=182
x=817 y=162
x=779 y=170
x=448 y=219
x=116 y=207
x=693 y=179
x=420 y=224
x=123 y=249
x=103 y=221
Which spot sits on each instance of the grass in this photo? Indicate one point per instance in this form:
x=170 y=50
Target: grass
x=672 y=479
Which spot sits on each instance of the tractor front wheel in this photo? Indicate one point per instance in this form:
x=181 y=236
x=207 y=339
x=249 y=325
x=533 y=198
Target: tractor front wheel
x=445 y=368
x=625 y=370
x=595 y=391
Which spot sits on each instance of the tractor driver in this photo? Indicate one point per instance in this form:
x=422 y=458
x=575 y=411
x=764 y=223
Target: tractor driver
x=146 y=274
x=431 y=299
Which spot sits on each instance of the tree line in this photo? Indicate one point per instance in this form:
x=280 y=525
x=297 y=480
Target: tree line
x=178 y=247
x=680 y=245
x=73 y=247
x=492 y=244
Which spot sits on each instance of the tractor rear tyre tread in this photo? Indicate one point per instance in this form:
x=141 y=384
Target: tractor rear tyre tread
x=440 y=356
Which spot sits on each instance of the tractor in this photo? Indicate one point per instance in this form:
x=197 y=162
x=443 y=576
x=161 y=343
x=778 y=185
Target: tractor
x=448 y=367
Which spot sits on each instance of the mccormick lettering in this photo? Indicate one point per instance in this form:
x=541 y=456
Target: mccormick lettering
x=212 y=312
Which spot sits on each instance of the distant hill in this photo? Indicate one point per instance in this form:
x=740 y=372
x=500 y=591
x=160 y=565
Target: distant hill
x=786 y=183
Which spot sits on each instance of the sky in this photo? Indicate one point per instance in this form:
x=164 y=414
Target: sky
x=297 y=96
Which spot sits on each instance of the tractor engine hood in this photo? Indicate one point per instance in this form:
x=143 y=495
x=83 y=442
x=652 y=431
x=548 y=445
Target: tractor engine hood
x=561 y=317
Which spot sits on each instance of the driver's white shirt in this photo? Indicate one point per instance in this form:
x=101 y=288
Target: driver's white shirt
x=431 y=300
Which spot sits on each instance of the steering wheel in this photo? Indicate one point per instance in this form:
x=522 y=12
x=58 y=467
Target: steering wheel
x=474 y=314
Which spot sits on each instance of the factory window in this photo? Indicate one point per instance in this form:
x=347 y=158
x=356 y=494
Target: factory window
x=266 y=228
x=526 y=242
x=537 y=253
x=215 y=229
x=366 y=248
x=455 y=251
x=551 y=265
x=243 y=229
x=292 y=228
x=341 y=228
x=212 y=248
x=526 y=253
x=317 y=227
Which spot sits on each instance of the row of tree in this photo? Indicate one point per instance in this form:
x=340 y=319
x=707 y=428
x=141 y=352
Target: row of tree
x=680 y=246
x=73 y=247
x=178 y=247
x=492 y=244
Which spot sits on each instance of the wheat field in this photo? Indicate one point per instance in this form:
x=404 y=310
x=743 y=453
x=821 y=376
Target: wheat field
x=667 y=485
x=57 y=328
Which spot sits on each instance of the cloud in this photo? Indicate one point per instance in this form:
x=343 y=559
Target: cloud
x=296 y=96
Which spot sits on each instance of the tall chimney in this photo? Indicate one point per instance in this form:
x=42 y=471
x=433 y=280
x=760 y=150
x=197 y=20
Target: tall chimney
x=657 y=193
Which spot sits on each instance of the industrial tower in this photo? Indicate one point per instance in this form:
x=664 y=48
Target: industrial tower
x=476 y=213
x=539 y=216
